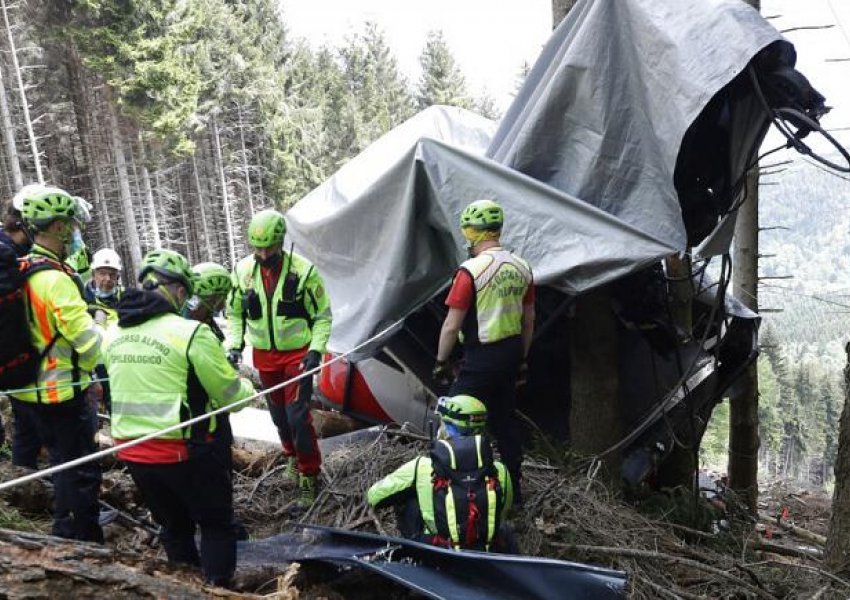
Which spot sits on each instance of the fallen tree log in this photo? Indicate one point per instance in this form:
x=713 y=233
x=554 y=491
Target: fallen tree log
x=37 y=565
x=805 y=534
x=765 y=546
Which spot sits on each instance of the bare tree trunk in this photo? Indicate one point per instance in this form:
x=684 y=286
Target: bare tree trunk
x=245 y=170
x=83 y=112
x=201 y=202
x=680 y=465
x=163 y=193
x=184 y=225
x=595 y=382
x=231 y=245
x=9 y=136
x=149 y=201
x=22 y=91
x=125 y=196
x=743 y=406
x=837 y=551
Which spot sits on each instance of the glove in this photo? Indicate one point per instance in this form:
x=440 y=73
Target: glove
x=100 y=317
x=234 y=357
x=522 y=375
x=311 y=360
x=442 y=373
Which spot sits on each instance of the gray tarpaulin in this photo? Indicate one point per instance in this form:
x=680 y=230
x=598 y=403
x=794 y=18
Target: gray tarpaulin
x=384 y=230
x=601 y=116
x=603 y=112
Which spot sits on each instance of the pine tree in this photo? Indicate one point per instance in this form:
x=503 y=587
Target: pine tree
x=485 y=106
x=441 y=81
x=372 y=77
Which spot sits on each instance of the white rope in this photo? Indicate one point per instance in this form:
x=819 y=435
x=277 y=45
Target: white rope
x=106 y=452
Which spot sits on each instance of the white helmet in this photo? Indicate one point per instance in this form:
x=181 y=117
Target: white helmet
x=106 y=257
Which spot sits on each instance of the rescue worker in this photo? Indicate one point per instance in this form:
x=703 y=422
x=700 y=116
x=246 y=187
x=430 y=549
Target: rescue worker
x=280 y=307
x=104 y=289
x=458 y=497
x=165 y=369
x=211 y=283
x=212 y=286
x=491 y=305
x=14 y=243
x=102 y=293
x=53 y=409
x=13 y=234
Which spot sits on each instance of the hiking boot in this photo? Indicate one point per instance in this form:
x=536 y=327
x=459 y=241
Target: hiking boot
x=306 y=491
x=290 y=471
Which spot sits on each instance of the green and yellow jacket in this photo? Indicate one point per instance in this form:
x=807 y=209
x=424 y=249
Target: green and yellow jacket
x=298 y=314
x=164 y=369
x=62 y=329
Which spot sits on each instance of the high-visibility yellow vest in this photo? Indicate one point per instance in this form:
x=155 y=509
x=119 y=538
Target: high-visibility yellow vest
x=165 y=370
x=501 y=280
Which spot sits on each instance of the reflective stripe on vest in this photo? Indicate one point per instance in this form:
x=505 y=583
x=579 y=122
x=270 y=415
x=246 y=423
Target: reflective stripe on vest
x=501 y=281
x=148 y=375
x=53 y=299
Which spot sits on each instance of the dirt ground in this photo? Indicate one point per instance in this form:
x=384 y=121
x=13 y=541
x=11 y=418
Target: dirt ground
x=670 y=543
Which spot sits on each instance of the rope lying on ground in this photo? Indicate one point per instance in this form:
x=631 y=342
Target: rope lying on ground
x=108 y=451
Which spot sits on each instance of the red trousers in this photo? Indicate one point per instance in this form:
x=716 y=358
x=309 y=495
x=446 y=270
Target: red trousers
x=290 y=410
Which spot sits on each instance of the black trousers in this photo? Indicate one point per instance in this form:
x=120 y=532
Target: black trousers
x=497 y=390
x=26 y=438
x=181 y=496
x=66 y=429
x=223 y=445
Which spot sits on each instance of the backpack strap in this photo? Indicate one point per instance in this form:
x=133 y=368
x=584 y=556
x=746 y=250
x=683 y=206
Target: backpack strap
x=28 y=267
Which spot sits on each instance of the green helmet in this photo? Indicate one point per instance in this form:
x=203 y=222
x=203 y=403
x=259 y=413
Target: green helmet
x=40 y=205
x=169 y=264
x=266 y=229
x=210 y=279
x=467 y=413
x=482 y=214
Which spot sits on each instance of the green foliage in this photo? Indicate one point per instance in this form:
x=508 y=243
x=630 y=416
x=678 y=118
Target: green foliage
x=770 y=421
x=441 y=81
x=136 y=46
x=372 y=78
x=11 y=518
x=713 y=450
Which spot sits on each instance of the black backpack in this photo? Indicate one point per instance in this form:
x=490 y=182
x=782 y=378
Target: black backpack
x=456 y=468
x=19 y=359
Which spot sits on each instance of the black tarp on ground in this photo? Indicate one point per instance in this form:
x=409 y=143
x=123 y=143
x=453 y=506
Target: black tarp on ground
x=437 y=573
